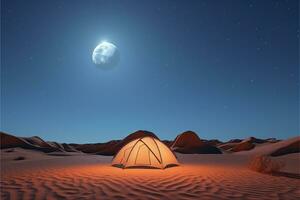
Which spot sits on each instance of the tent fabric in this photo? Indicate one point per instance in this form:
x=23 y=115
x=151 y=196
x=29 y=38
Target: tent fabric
x=145 y=152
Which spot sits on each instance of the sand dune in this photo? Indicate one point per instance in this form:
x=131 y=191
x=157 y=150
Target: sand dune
x=254 y=140
x=69 y=148
x=234 y=141
x=291 y=145
x=227 y=146
x=243 y=146
x=213 y=142
x=189 y=143
x=9 y=141
x=107 y=148
x=36 y=143
x=92 y=177
x=237 y=145
x=112 y=147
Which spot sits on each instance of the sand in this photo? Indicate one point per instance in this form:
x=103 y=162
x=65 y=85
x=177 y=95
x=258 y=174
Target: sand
x=82 y=176
x=269 y=148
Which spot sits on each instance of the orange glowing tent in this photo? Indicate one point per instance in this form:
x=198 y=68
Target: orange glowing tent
x=145 y=152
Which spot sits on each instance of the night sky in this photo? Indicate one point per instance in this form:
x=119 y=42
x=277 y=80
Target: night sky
x=224 y=69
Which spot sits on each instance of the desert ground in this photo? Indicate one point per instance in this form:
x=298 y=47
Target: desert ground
x=84 y=176
x=32 y=168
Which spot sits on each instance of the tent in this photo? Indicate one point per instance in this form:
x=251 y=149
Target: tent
x=145 y=152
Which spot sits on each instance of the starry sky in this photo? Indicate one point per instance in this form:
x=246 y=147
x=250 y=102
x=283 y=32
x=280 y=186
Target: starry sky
x=224 y=69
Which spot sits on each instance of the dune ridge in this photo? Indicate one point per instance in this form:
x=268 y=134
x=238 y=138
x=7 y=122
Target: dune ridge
x=188 y=143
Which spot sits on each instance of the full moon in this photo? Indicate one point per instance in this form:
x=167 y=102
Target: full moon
x=106 y=55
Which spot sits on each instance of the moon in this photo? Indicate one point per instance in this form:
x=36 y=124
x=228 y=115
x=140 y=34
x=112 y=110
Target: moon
x=106 y=55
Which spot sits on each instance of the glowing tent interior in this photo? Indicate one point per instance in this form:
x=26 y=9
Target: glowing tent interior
x=145 y=152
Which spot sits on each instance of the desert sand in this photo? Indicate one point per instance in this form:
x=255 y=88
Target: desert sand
x=84 y=176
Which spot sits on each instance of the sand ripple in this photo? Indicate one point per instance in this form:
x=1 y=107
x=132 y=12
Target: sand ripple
x=184 y=182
